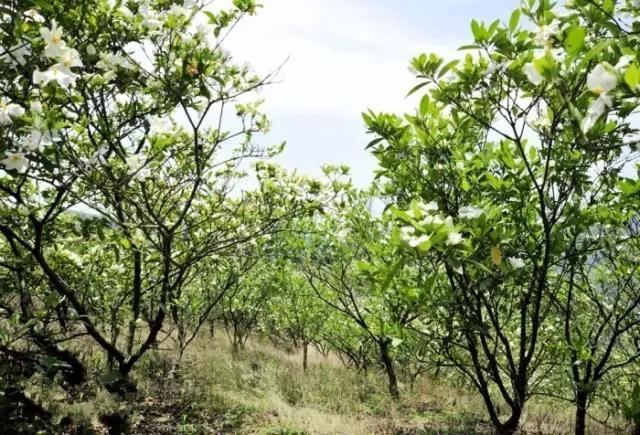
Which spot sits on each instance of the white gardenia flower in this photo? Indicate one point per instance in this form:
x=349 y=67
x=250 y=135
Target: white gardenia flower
x=9 y=111
x=134 y=162
x=454 y=238
x=406 y=233
x=61 y=71
x=469 y=212
x=601 y=80
x=430 y=206
x=160 y=125
x=493 y=67
x=417 y=241
x=70 y=58
x=122 y=99
x=149 y=18
x=532 y=74
x=599 y=106
x=437 y=220
x=542 y=122
x=53 y=38
x=35 y=140
x=15 y=161
x=35 y=107
x=428 y=220
x=34 y=15
x=516 y=262
x=595 y=111
x=178 y=10
x=57 y=73
x=206 y=33
x=546 y=32
x=109 y=61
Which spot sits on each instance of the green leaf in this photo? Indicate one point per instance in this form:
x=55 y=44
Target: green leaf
x=445 y=69
x=515 y=19
x=464 y=185
x=609 y=6
x=492 y=28
x=632 y=76
x=425 y=104
x=392 y=273
x=417 y=87
x=545 y=65
x=52 y=300
x=374 y=142
x=476 y=30
x=469 y=47
x=44 y=5
x=629 y=187
x=595 y=51
x=575 y=39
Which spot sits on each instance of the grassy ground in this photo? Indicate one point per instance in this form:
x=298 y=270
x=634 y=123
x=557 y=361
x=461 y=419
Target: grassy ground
x=265 y=391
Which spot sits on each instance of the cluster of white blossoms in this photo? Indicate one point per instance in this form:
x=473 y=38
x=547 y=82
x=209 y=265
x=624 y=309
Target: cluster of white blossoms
x=600 y=81
x=469 y=212
x=9 y=111
x=14 y=161
x=161 y=126
x=516 y=262
x=427 y=228
x=66 y=58
x=544 y=39
x=111 y=61
x=430 y=222
x=546 y=33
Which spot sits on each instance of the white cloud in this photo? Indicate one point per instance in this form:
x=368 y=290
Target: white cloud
x=342 y=58
x=343 y=55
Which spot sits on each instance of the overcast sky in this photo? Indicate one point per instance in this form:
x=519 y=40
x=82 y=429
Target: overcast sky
x=345 y=56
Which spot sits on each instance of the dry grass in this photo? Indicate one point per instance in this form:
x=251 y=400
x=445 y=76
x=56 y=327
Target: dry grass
x=265 y=391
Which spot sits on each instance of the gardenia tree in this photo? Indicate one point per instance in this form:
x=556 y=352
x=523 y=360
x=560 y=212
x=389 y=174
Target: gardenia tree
x=512 y=150
x=124 y=128
x=347 y=260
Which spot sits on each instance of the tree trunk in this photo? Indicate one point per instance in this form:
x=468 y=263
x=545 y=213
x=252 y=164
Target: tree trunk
x=135 y=304
x=581 y=413
x=389 y=369
x=305 y=352
x=511 y=425
x=212 y=330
